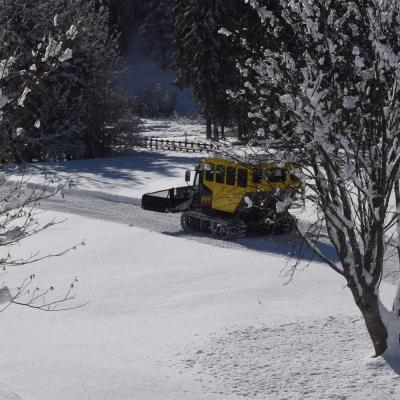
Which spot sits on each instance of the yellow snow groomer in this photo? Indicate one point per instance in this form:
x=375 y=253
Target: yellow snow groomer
x=228 y=198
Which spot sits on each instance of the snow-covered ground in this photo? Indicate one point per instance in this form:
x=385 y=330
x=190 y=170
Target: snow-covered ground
x=169 y=318
x=127 y=177
x=124 y=177
x=177 y=316
x=183 y=128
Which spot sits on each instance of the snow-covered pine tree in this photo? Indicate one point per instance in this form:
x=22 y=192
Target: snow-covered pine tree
x=68 y=115
x=342 y=95
x=200 y=58
x=186 y=41
x=123 y=14
x=156 y=31
x=33 y=40
x=18 y=219
x=243 y=40
x=206 y=59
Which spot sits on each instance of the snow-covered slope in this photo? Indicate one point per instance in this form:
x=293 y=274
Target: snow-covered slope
x=174 y=319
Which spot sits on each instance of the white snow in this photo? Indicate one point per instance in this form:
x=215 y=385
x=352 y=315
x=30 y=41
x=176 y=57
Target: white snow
x=128 y=176
x=3 y=100
x=173 y=319
x=22 y=98
x=67 y=55
x=5 y=295
x=174 y=129
x=177 y=316
x=350 y=102
x=5 y=66
x=72 y=32
x=53 y=49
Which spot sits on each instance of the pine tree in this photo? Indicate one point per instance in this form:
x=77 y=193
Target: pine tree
x=68 y=115
x=198 y=56
x=156 y=31
x=206 y=59
x=123 y=14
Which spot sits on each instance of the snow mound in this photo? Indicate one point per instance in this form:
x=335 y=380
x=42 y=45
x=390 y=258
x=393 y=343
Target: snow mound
x=314 y=359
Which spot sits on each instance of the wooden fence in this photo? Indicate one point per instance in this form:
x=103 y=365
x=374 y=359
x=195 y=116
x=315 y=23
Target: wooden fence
x=201 y=147
x=178 y=145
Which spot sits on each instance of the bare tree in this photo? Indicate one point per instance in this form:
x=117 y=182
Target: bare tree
x=19 y=220
x=19 y=200
x=341 y=94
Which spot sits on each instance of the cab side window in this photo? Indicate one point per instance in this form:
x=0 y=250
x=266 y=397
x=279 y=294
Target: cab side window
x=210 y=169
x=257 y=175
x=277 y=175
x=220 y=174
x=242 y=177
x=231 y=176
x=294 y=177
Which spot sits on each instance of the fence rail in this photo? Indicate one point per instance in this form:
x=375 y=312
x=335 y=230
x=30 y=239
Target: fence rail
x=178 y=145
x=187 y=146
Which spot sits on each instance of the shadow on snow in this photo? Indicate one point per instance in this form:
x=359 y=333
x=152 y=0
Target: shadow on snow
x=291 y=246
x=121 y=168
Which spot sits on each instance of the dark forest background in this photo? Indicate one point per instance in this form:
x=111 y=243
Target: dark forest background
x=81 y=109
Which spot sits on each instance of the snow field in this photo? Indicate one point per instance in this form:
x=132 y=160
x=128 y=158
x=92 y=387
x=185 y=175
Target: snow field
x=169 y=318
x=179 y=129
x=119 y=179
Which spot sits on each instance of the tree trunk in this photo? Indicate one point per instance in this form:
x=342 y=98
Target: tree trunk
x=208 y=128
x=216 y=132
x=266 y=132
x=396 y=303
x=164 y=59
x=222 y=131
x=240 y=131
x=369 y=306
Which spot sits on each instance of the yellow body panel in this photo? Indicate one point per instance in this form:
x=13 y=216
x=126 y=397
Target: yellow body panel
x=227 y=197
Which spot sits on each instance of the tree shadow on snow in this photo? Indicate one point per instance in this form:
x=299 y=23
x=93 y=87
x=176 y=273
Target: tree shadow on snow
x=291 y=245
x=124 y=169
x=393 y=360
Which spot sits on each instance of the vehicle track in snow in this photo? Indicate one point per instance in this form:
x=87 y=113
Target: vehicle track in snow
x=115 y=211
x=129 y=212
